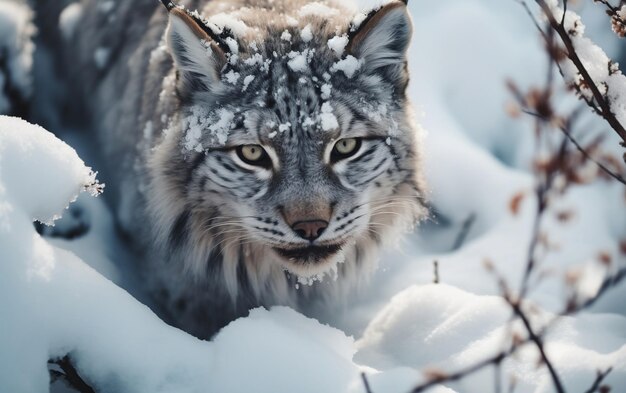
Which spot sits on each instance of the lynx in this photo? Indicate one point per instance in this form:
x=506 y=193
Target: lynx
x=258 y=152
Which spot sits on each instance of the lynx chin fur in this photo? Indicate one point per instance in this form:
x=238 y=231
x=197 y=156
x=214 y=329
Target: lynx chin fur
x=259 y=152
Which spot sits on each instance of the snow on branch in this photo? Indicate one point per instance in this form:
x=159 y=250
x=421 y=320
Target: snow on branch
x=585 y=66
x=618 y=16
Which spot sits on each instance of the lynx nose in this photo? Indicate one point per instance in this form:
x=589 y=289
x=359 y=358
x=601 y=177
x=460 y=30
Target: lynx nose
x=310 y=229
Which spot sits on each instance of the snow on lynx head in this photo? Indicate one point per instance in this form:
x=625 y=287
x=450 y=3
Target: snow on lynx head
x=292 y=152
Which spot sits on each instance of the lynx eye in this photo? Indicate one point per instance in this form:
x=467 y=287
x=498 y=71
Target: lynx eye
x=345 y=148
x=254 y=155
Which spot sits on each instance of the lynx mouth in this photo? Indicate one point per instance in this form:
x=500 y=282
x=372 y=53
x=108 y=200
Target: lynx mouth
x=313 y=254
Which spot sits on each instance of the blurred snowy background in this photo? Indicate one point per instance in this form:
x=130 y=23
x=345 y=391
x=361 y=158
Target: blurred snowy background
x=68 y=293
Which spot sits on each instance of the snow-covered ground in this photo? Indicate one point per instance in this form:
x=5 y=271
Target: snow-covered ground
x=66 y=296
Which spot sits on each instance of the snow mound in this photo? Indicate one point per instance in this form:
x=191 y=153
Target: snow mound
x=437 y=326
x=34 y=163
x=57 y=305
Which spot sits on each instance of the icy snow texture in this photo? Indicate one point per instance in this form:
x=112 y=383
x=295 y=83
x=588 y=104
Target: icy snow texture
x=285 y=36
x=298 y=62
x=338 y=44
x=200 y=122
x=16 y=50
x=326 y=90
x=306 y=34
x=327 y=118
x=246 y=82
x=349 y=66
x=231 y=77
x=235 y=25
x=317 y=9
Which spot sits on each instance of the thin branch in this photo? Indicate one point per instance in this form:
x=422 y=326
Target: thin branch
x=532 y=17
x=607 y=284
x=497 y=374
x=460 y=374
x=599 y=378
x=462 y=236
x=366 y=383
x=565 y=130
x=588 y=156
x=535 y=338
x=606 y=112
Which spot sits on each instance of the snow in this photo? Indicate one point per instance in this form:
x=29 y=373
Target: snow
x=317 y=9
x=327 y=118
x=338 y=44
x=299 y=60
x=291 y=21
x=23 y=151
x=306 y=34
x=200 y=123
x=443 y=327
x=348 y=66
x=233 y=46
x=68 y=296
x=298 y=63
x=246 y=82
x=72 y=308
x=285 y=36
x=254 y=59
x=223 y=125
x=357 y=20
x=284 y=127
x=607 y=76
x=231 y=77
x=326 y=90
x=228 y=21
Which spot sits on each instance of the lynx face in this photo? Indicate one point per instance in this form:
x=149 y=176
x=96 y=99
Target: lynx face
x=293 y=140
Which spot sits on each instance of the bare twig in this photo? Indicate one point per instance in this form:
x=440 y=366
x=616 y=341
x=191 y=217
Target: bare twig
x=497 y=375
x=460 y=374
x=588 y=156
x=599 y=378
x=465 y=228
x=535 y=338
x=608 y=283
x=366 y=383
x=565 y=129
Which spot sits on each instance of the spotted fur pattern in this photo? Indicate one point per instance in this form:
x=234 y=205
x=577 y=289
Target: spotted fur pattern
x=208 y=223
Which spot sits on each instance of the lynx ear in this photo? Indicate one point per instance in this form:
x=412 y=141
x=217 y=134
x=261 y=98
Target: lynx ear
x=197 y=55
x=382 y=39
